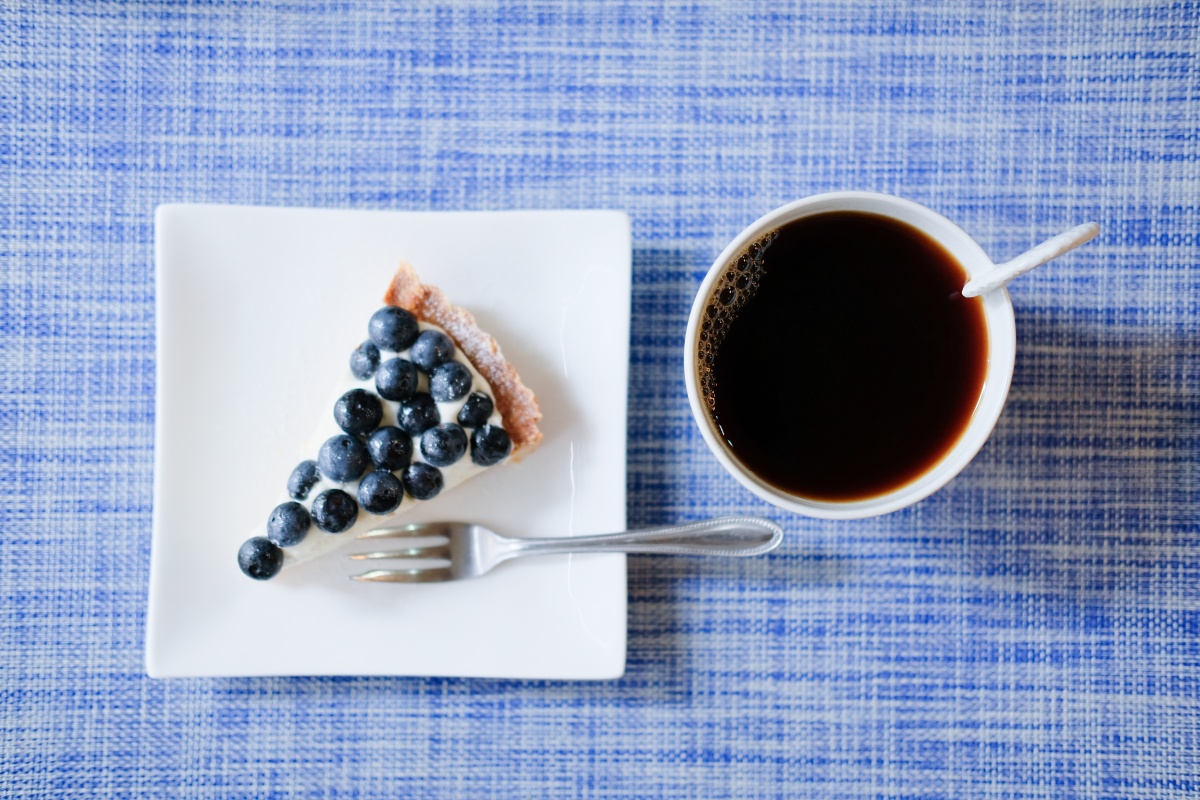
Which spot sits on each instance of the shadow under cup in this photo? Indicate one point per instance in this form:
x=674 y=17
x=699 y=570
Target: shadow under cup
x=833 y=365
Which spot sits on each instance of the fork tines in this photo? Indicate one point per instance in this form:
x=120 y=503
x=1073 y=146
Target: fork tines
x=435 y=575
x=432 y=551
x=440 y=552
x=413 y=530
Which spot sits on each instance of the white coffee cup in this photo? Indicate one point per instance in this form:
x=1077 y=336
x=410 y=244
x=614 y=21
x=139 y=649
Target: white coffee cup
x=1001 y=335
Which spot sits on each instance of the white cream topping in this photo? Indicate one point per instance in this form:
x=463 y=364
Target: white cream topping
x=318 y=542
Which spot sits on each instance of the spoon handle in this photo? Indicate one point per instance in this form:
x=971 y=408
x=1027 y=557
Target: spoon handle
x=1047 y=250
x=727 y=536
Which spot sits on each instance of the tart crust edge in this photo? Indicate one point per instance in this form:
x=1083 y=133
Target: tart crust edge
x=517 y=405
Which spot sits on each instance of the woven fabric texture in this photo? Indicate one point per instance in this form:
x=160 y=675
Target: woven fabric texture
x=1032 y=630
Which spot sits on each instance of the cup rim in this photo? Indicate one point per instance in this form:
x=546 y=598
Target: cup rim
x=1001 y=328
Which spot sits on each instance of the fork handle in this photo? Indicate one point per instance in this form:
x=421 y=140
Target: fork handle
x=727 y=536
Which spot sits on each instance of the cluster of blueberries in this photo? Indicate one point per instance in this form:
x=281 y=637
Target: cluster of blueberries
x=384 y=450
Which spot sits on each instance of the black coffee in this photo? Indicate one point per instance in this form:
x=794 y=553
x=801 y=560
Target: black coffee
x=838 y=357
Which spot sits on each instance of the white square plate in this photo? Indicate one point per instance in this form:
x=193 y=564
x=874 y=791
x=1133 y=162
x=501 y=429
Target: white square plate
x=258 y=311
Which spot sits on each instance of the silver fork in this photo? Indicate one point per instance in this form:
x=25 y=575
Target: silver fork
x=473 y=550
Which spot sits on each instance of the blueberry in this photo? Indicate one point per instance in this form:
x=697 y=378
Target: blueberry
x=358 y=411
x=393 y=329
x=430 y=349
x=364 y=360
x=390 y=448
x=288 y=524
x=396 y=379
x=490 y=444
x=260 y=558
x=417 y=414
x=302 y=479
x=422 y=481
x=449 y=382
x=334 y=511
x=380 y=492
x=342 y=458
x=444 y=444
x=475 y=411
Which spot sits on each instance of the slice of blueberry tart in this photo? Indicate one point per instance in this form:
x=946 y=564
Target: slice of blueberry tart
x=429 y=401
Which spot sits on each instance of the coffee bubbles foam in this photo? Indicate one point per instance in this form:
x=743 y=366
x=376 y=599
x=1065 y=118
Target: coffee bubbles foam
x=738 y=282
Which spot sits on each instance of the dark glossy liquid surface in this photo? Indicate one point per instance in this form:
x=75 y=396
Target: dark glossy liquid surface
x=843 y=361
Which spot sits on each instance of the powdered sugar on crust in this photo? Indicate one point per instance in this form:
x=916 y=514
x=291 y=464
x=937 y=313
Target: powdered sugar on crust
x=516 y=403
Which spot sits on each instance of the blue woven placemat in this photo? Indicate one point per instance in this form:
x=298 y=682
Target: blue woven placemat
x=1033 y=630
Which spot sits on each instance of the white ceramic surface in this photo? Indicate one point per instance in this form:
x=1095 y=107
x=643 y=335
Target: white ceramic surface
x=258 y=311
x=1002 y=344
